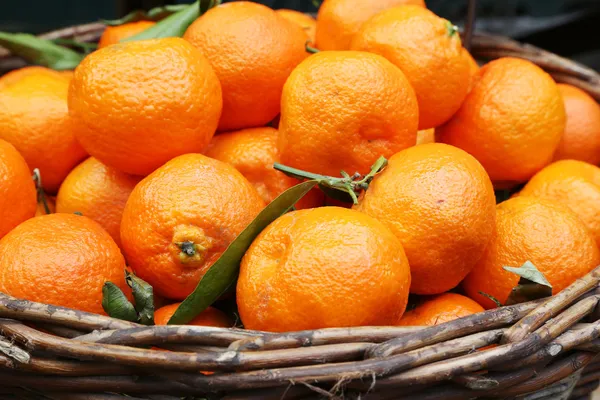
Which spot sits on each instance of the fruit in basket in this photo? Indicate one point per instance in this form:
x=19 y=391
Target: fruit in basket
x=60 y=259
x=17 y=191
x=529 y=229
x=209 y=317
x=136 y=105
x=342 y=110
x=98 y=192
x=440 y=203
x=428 y=50
x=511 y=121
x=473 y=69
x=34 y=118
x=439 y=309
x=339 y=20
x=574 y=184
x=581 y=139
x=321 y=268
x=17 y=74
x=180 y=219
x=253 y=51
x=114 y=34
x=253 y=152
x=50 y=202
x=305 y=21
x=426 y=136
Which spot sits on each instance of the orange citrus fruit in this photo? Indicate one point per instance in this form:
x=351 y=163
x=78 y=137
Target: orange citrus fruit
x=581 y=139
x=305 y=21
x=473 y=69
x=253 y=152
x=439 y=309
x=114 y=34
x=329 y=124
x=511 y=121
x=321 y=268
x=209 y=317
x=137 y=105
x=574 y=184
x=181 y=218
x=98 y=192
x=17 y=191
x=34 y=118
x=339 y=20
x=62 y=260
x=440 y=203
x=253 y=51
x=428 y=50
x=41 y=208
x=536 y=230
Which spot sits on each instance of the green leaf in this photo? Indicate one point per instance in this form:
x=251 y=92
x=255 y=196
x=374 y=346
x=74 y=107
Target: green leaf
x=87 y=48
x=224 y=271
x=40 y=51
x=174 y=25
x=115 y=303
x=532 y=285
x=155 y=14
x=143 y=295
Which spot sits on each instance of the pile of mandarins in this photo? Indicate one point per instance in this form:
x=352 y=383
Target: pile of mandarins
x=154 y=155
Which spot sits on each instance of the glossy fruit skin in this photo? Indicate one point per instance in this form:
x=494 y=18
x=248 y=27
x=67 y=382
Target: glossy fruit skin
x=581 y=139
x=321 y=268
x=574 y=184
x=536 y=230
x=209 y=317
x=15 y=75
x=98 y=192
x=17 y=191
x=440 y=203
x=253 y=152
x=305 y=21
x=429 y=52
x=439 y=309
x=473 y=69
x=192 y=198
x=125 y=127
x=114 y=34
x=62 y=260
x=253 y=51
x=511 y=121
x=339 y=20
x=329 y=123
x=34 y=118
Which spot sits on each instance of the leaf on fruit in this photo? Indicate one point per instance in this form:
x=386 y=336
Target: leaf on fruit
x=533 y=284
x=40 y=51
x=174 y=25
x=143 y=294
x=492 y=298
x=224 y=272
x=115 y=303
x=154 y=14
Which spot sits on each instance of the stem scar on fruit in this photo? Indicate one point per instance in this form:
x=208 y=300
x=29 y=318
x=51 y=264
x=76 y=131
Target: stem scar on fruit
x=191 y=245
x=351 y=185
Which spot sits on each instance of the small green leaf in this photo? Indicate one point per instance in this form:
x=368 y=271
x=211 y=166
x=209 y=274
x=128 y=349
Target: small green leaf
x=143 y=294
x=310 y=49
x=40 y=51
x=155 y=14
x=87 y=48
x=533 y=284
x=115 y=303
x=492 y=298
x=174 y=25
x=529 y=272
x=225 y=270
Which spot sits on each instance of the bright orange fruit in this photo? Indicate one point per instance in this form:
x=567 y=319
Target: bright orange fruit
x=114 y=34
x=253 y=51
x=136 y=105
x=329 y=123
x=209 y=317
x=439 y=309
x=321 y=268
x=440 y=203
x=536 y=230
x=305 y=21
x=181 y=218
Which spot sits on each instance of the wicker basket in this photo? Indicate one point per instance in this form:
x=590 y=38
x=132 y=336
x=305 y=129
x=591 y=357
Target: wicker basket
x=544 y=349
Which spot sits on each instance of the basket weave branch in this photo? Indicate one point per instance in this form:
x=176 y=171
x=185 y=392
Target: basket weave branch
x=541 y=350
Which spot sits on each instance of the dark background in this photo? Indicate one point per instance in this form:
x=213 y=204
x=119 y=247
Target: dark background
x=565 y=27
